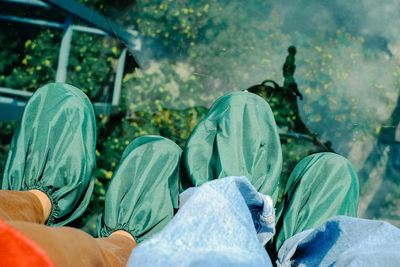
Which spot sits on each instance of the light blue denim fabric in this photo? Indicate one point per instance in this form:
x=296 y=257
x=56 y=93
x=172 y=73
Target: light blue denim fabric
x=224 y=222
x=343 y=241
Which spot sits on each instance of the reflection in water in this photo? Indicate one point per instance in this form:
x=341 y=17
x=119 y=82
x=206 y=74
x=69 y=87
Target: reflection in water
x=296 y=139
x=381 y=171
x=289 y=68
x=286 y=108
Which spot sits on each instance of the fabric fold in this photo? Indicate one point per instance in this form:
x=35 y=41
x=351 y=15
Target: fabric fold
x=238 y=137
x=53 y=150
x=224 y=222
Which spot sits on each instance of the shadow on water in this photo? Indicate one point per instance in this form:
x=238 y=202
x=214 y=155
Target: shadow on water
x=283 y=99
x=297 y=140
x=386 y=153
x=379 y=175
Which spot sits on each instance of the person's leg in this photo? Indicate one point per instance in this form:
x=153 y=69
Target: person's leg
x=68 y=246
x=27 y=212
x=48 y=174
x=140 y=201
x=238 y=137
x=56 y=158
x=321 y=186
x=24 y=206
x=53 y=151
x=143 y=194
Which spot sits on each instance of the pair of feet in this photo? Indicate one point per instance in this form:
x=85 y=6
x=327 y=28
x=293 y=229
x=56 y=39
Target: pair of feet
x=46 y=206
x=53 y=151
x=52 y=155
x=142 y=194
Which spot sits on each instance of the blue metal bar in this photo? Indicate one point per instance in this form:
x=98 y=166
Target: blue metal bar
x=88 y=30
x=8 y=104
x=38 y=22
x=96 y=19
x=102 y=107
x=11 y=109
x=118 y=78
x=294 y=135
x=58 y=25
x=64 y=51
x=28 y=2
x=9 y=91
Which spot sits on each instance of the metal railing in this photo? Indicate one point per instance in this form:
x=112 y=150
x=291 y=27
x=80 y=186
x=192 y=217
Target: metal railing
x=12 y=100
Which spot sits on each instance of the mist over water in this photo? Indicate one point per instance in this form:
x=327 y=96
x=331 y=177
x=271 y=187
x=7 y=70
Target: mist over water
x=365 y=17
x=371 y=85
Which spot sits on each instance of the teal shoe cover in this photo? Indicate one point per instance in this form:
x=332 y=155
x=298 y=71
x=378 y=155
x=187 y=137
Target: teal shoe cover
x=143 y=192
x=238 y=137
x=321 y=186
x=53 y=150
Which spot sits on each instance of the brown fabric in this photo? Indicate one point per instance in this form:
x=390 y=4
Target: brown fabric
x=116 y=249
x=20 y=206
x=66 y=246
x=18 y=250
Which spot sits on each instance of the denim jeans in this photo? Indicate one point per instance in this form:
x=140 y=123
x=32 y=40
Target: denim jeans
x=343 y=241
x=226 y=222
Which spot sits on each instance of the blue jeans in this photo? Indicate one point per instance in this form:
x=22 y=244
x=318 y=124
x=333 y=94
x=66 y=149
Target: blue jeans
x=226 y=222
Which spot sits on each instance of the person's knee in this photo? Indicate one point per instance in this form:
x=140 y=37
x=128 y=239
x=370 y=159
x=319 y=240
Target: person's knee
x=336 y=166
x=330 y=160
x=239 y=100
x=329 y=157
x=159 y=143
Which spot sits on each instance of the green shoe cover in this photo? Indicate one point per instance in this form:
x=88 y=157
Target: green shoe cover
x=143 y=192
x=238 y=137
x=321 y=186
x=53 y=150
